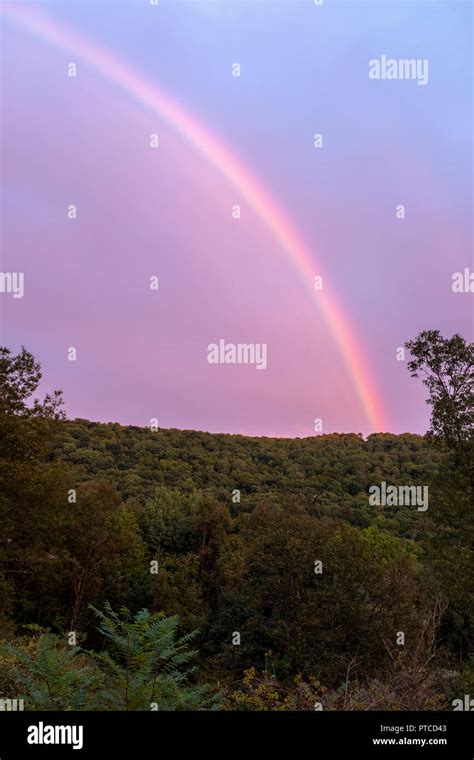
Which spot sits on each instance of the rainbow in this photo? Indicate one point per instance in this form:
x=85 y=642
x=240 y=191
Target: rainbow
x=153 y=98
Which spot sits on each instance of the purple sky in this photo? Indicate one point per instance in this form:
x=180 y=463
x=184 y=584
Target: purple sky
x=142 y=354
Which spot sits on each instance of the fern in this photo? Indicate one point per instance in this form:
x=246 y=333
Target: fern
x=50 y=675
x=147 y=663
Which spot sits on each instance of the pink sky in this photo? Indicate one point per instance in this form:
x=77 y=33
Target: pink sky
x=143 y=354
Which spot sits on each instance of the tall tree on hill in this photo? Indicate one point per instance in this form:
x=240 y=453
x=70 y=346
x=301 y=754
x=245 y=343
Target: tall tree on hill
x=29 y=539
x=447 y=368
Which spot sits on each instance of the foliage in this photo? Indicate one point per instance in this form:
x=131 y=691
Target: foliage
x=234 y=526
x=50 y=675
x=447 y=368
x=147 y=665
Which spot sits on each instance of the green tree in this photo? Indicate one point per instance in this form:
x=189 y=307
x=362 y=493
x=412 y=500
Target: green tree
x=314 y=593
x=147 y=665
x=20 y=376
x=49 y=674
x=31 y=493
x=447 y=368
x=105 y=552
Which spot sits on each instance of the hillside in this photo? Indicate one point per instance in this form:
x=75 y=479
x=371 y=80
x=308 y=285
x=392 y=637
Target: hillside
x=331 y=474
x=297 y=587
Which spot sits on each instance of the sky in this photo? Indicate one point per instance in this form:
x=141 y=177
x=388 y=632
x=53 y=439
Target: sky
x=228 y=137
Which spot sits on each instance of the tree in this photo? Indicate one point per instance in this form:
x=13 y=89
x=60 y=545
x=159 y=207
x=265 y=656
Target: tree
x=20 y=376
x=447 y=368
x=314 y=593
x=147 y=665
x=30 y=493
x=48 y=674
x=105 y=552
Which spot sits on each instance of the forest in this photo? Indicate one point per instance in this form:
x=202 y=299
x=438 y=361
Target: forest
x=146 y=569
